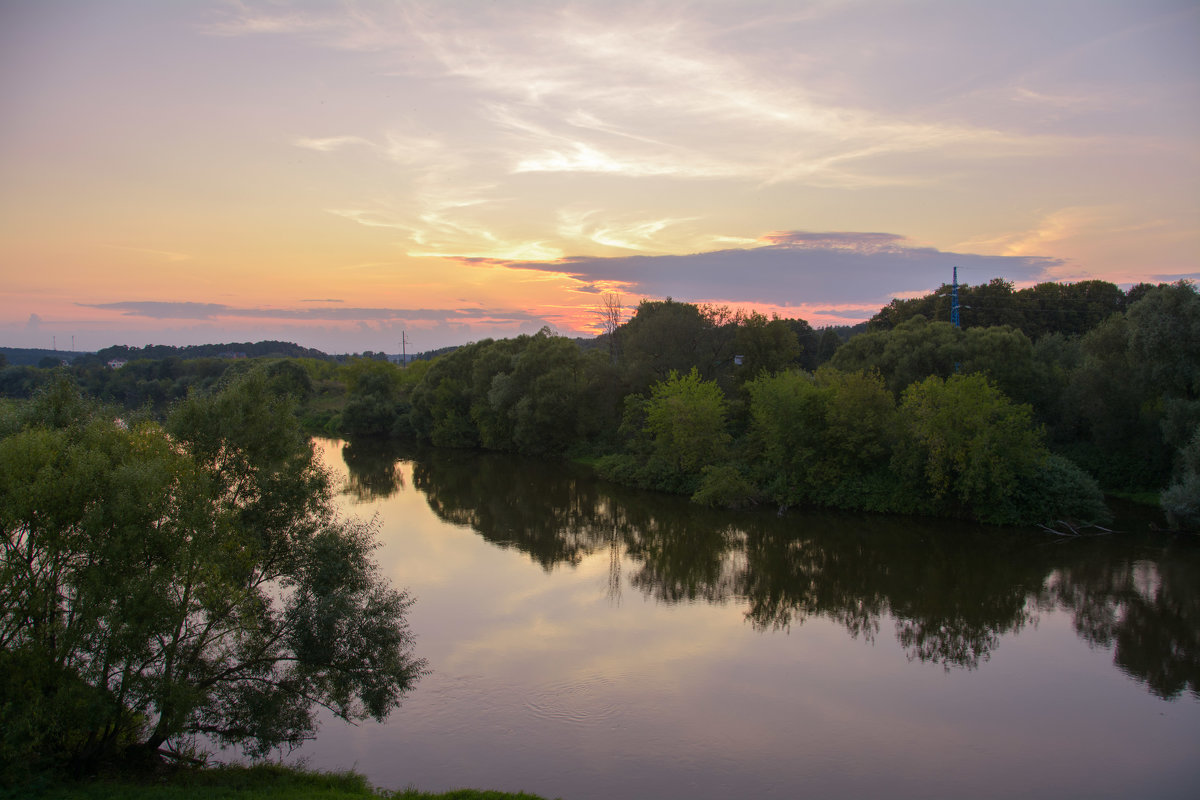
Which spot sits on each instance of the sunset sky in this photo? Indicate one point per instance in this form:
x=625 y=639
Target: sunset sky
x=338 y=174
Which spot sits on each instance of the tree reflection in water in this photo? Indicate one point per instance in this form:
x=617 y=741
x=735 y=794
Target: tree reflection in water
x=1142 y=602
x=951 y=590
x=372 y=466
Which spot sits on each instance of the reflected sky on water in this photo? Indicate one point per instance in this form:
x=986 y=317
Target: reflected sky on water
x=588 y=641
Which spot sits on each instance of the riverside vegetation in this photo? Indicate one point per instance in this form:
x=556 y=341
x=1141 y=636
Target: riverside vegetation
x=1043 y=399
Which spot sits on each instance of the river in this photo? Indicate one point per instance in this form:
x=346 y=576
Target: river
x=590 y=641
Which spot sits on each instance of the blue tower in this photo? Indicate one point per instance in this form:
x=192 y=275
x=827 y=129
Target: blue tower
x=954 y=300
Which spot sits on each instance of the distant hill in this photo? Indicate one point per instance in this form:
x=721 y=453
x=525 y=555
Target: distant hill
x=266 y=349
x=33 y=356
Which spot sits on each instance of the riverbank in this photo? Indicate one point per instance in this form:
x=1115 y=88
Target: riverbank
x=261 y=782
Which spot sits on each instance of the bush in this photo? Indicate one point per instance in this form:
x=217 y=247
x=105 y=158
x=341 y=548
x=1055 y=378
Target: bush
x=724 y=487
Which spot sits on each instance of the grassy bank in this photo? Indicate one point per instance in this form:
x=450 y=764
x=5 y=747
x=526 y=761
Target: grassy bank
x=263 y=782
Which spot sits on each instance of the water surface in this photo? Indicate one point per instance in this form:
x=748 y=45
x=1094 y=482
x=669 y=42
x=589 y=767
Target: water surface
x=589 y=641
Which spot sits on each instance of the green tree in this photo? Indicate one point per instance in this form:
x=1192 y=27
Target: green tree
x=765 y=345
x=375 y=405
x=1181 y=500
x=969 y=450
x=912 y=351
x=1164 y=348
x=165 y=582
x=372 y=406
x=1134 y=400
x=823 y=439
x=441 y=402
x=1006 y=356
x=665 y=336
x=826 y=347
x=685 y=417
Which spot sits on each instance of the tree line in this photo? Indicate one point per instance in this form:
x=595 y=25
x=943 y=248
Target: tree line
x=986 y=422
x=1043 y=398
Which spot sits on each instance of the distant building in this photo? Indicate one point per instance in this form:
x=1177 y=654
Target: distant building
x=116 y=363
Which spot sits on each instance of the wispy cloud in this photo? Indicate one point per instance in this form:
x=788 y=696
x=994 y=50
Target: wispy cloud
x=167 y=255
x=174 y=310
x=329 y=144
x=343 y=26
x=438 y=229
x=595 y=226
x=638 y=93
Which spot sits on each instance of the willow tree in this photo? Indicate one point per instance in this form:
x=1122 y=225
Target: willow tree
x=163 y=582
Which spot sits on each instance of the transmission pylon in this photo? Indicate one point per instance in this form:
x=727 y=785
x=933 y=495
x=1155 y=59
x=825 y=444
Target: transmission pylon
x=954 y=301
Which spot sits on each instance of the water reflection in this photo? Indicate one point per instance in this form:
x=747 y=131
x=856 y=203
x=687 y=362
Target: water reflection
x=1145 y=605
x=372 y=467
x=951 y=591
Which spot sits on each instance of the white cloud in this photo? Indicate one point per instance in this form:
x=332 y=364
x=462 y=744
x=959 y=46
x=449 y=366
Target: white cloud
x=330 y=143
x=593 y=226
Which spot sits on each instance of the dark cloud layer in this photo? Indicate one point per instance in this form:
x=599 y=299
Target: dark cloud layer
x=799 y=267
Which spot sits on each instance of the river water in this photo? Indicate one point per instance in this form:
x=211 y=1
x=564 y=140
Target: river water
x=590 y=641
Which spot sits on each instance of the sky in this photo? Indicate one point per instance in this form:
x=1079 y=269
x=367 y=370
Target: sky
x=381 y=175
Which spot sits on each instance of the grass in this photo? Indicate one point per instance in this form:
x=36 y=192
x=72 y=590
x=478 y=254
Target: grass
x=260 y=782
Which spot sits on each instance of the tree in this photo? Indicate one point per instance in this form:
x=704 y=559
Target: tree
x=827 y=346
x=610 y=321
x=823 y=439
x=912 y=351
x=1006 y=356
x=674 y=435
x=1164 y=347
x=1134 y=401
x=668 y=336
x=441 y=402
x=1181 y=500
x=160 y=583
x=686 y=418
x=764 y=345
x=373 y=406
x=967 y=449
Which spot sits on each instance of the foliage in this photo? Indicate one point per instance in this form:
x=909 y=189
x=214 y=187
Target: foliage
x=765 y=345
x=824 y=439
x=441 y=403
x=373 y=402
x=1181 y=500
x=671 y=436
x=1134 y=400
x=1071 y=309
x=914 y=350
x=155 y=352
x=161 y=582
x=668 y=336
x=724 y=486
x=968 y=449
x=685 y=418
